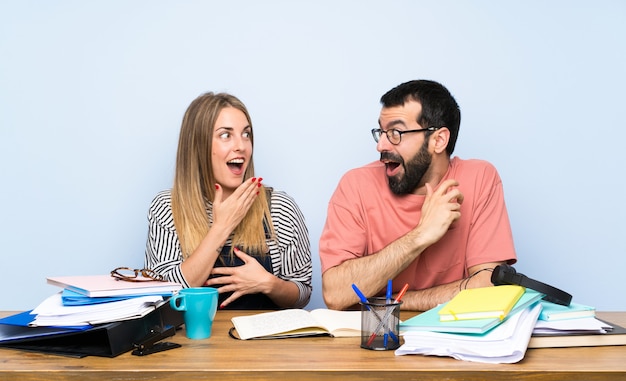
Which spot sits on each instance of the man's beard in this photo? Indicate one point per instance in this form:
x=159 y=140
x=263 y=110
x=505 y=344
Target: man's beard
x=414 y=171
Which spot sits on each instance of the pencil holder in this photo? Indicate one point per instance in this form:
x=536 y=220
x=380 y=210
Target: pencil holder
x=380 y=324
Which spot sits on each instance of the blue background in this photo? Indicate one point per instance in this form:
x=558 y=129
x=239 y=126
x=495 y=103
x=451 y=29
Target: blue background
x=92 y=95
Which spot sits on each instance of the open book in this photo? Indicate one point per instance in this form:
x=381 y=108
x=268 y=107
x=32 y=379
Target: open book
x=298 y=322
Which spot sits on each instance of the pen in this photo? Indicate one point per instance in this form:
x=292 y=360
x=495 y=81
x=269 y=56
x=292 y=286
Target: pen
x=360 y=295
x=402 y=292
x=389 y=292
x=387 y=314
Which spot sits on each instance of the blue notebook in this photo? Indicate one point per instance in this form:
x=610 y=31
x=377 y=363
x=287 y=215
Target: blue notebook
x=429 y=320
x=73 y=298
x=551 y=311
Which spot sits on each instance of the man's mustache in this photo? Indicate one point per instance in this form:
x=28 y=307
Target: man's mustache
x=391 y=157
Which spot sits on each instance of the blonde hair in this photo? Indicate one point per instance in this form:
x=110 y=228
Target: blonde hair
x=194 y=180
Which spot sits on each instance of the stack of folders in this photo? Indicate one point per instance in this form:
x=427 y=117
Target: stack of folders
x=97 y=299
x=490 y=325
x=93 y=315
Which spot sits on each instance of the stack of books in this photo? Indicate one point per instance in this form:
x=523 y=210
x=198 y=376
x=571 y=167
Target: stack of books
x=438 y=319
x=498 y=324
x=490 y=324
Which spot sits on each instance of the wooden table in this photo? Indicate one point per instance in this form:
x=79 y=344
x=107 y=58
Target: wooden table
x=223 y=358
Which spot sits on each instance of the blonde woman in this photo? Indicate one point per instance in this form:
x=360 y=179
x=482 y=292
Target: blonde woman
x=219 y=226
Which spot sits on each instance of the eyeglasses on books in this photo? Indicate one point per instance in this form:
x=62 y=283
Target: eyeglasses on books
x=133 y=275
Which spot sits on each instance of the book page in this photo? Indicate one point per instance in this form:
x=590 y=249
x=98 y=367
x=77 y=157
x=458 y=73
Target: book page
x=339 y=323
x=273 y=323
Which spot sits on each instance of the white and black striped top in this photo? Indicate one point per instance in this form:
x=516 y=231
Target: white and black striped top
x=290 y=253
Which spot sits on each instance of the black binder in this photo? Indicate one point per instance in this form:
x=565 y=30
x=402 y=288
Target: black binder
x=105 y=340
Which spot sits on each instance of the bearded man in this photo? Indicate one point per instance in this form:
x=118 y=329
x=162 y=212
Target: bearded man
x=418 y=215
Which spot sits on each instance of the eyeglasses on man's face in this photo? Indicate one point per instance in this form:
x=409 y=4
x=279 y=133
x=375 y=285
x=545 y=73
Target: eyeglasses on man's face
x=132 y=275
x=395 y=136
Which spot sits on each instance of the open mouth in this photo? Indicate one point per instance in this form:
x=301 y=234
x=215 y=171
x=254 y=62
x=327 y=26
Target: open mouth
x=392 y=163
x=392 y=168
x=235 y=165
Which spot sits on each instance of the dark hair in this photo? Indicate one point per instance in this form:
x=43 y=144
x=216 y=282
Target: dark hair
x=439 y=109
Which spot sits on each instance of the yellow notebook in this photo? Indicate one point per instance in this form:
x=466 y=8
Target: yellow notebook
x=481 y=303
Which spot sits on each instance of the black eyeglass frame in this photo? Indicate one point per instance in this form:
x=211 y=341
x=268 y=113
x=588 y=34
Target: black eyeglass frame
x=147 y=274
x=377 y=133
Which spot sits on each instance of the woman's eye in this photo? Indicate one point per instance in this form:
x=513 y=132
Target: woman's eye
x=224 y=135
x=246 y=134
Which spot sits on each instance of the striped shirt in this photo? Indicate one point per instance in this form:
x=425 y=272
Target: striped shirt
x=290 y=252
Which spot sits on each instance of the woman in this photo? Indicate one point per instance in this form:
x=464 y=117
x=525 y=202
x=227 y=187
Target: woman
x=219 y=226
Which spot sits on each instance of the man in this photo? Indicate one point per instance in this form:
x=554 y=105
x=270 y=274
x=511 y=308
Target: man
x=417 y=216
